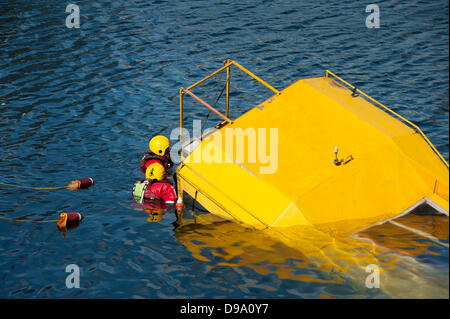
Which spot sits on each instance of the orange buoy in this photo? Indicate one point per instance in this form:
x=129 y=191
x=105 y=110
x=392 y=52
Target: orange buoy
x=69 y=220
x=81 y=183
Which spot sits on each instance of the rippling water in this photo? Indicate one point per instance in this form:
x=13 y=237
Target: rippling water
x=84 y=102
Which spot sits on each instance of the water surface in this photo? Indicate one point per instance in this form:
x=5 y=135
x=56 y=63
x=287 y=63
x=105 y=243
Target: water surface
x=84 y=103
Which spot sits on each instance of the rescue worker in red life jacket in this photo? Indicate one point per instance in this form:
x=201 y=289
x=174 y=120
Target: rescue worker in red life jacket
x=155 y=192
x=159 y=153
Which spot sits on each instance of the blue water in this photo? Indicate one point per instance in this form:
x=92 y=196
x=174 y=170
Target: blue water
x=84 y=102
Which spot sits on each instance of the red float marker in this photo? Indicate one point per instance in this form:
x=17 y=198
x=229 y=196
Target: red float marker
x=69 y=220
x=81 y=183
x=86 y=182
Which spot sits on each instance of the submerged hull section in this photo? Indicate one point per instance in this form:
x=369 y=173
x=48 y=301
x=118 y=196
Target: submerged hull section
x=386 y=167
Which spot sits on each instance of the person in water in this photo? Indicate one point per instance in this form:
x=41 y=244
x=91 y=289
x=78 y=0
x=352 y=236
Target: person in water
x=159 y=153
x=155 y=191
x=156 y=194
x=155 y=186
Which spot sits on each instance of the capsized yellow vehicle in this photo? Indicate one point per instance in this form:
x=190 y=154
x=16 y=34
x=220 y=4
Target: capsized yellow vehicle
x=318 y=153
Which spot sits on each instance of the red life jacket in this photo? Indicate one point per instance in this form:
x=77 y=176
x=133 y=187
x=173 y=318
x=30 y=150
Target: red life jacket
x=150 y=158
x=160 y=191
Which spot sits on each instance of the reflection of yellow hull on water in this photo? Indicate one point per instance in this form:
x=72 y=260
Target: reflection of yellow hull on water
x=316 y=260
x=385 y=166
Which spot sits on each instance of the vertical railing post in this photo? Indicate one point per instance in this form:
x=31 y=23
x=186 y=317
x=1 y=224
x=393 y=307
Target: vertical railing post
x=181 y=121
x=227 y=112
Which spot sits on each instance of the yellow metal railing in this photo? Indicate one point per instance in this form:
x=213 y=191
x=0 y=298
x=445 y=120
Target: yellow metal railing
x=414 y=126
x=226 y=66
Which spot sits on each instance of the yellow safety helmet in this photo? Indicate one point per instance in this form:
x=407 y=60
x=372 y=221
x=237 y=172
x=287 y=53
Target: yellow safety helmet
x=159 y=144
x=155 y=171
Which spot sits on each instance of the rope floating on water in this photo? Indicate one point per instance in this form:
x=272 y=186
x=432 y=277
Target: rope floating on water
x=65 y=220
x=20 y=186
x=11 y=182
x=28 y=221
x=76 y=184
x=81 y=183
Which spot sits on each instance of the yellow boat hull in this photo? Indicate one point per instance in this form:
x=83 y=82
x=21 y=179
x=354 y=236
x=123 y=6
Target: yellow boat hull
x=387 y=166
